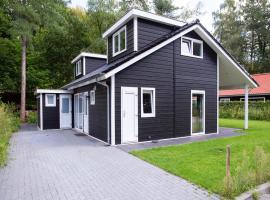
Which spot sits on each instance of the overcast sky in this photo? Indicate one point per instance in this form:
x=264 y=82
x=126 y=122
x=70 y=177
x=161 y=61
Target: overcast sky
x=208 y=7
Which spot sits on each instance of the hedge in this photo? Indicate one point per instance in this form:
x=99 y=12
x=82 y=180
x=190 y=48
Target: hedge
x=235 y=109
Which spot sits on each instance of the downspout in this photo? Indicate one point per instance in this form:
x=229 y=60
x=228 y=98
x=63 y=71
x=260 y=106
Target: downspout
x=108 y=110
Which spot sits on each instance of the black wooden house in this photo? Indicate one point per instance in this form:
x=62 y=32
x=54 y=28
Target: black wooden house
x=160 y=79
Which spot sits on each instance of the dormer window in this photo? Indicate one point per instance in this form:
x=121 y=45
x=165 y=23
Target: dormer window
x=78 y=68
x=191 y=47
x=119 y=41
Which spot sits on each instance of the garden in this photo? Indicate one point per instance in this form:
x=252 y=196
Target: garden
x=204 y=163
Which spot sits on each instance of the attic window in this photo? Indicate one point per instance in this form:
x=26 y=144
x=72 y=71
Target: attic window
x=119 y=41
x=78 y=68
x=191 y=47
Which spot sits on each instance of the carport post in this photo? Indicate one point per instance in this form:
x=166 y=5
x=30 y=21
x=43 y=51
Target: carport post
x=246 y=106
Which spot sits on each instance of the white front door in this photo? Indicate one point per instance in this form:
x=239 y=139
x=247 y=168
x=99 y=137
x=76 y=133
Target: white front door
x=65 y=111
x=129 y=114
x=85 y=116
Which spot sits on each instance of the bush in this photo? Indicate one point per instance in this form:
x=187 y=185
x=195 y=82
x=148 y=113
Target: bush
x=32 y=117
x=235 y=110
x=251 y=172
x=9 y=123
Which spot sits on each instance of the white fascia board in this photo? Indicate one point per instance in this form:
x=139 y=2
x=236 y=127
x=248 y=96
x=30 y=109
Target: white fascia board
x=204 y=36
x=50 y=91
x=92 y=55
x=144 y=15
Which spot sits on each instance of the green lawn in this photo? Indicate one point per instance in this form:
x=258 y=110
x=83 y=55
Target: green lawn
x=203 y=163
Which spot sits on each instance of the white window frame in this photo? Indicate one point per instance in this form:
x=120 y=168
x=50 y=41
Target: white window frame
x=191 y=106
x=192 y=40
x=47 y=104
x=78 y=68
x=92 y=97
x=224 y=100
x=153 y=114
x=119 y=40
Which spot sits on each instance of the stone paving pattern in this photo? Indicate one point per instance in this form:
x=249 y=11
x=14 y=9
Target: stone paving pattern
x=57 y=165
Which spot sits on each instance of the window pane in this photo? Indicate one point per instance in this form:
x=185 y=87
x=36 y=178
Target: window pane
x=65 y=105
x=147 y=102
x=197 y=113
x=50 y=99
x=186 y=46
x=116 y=49
x=197 y=49
x=80 y=105
x=122 y=40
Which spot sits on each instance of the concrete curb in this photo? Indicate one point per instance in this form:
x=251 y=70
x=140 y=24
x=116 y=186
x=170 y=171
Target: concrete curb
x=261 y=189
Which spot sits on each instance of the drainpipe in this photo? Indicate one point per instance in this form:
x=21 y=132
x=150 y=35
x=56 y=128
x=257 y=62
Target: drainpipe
x=108 y=110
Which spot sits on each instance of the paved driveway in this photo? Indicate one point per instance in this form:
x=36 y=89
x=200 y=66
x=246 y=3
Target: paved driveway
x=56 y=165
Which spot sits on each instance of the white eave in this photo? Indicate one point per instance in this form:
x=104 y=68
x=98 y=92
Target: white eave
x=52 y=91
x=92 y=55
x=141 y=14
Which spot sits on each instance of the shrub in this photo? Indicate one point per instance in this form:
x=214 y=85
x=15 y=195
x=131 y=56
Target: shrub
x=32 y=117
x=250 y=172
x=9 y=123
x=235 y=109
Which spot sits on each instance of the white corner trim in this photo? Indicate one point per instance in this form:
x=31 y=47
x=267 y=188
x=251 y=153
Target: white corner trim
x=119 y=41
x=144 y=15
x=191 y=107
x=54 y=100
x=92 y=55
x=217 y=94
x=135 y=29
x=113 y=110
x=192 y=41
x=148 y=52
x=153 y=114
x=51 y=91
x=41 y=111
x=246 y=106
x=84 y=67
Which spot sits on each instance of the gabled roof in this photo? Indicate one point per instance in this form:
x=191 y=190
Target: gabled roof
x=108 y=70
x=141 y=14
x=264 y=87
x=91 y=55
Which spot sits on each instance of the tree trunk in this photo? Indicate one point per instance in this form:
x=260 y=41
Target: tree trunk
x=23 y=78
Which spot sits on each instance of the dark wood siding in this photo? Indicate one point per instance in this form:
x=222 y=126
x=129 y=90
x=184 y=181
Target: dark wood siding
x=130 y=43
x=97 y=112
x=195 y=74
x=156 y=71
x=149 y=31
x=51 y=114
x=173 y=76
x=91 y=64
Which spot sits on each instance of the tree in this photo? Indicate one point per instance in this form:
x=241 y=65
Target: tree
x=229 y=29
x=164 y=7
x=243 y=28
x=126 y=5
x=27 y=17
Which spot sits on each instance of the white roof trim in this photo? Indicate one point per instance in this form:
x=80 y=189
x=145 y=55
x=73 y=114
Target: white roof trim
x=85 y=54
x=144 y=15
x=50 y=91
x=199 y=30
